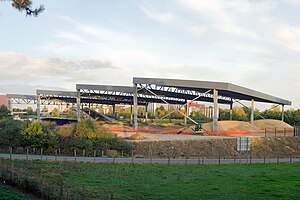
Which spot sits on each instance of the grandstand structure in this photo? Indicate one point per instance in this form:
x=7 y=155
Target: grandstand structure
x=152 y=90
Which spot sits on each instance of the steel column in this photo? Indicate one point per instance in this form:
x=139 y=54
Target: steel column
x=185 y=112
x=131 y=116
x=135 y=107
x=146 y=109
x=38 y=107
x=230 y=111
x=252 y=111
x=9 y=104
x=215 y=117
x=282 y=112
x=78 y=105
x=114 y=110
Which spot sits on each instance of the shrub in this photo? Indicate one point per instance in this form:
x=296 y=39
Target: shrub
x=10 y=132
x=38 y=135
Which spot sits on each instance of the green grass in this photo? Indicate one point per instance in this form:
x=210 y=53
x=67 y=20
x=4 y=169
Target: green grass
x=270 y=181
x=8 y=193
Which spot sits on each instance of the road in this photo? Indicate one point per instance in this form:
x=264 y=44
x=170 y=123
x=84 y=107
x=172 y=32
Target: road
x=149 y=160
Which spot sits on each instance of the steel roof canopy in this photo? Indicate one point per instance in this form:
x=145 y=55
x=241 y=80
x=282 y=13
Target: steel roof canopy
x=225 y=89
x=114 y=88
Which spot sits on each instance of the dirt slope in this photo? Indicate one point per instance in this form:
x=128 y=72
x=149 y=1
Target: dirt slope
x=271 y=123
x=230 y=125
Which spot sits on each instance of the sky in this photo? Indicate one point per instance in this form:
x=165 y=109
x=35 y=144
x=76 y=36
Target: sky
x=252 y=43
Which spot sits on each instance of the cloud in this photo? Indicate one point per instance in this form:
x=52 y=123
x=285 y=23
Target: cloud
x=167 y=18
x=16 y=66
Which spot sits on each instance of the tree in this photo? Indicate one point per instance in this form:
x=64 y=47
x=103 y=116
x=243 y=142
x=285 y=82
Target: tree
x=55 y=113
x=4 y=112
x=10 y=132
x=25 y=5
x=38 y=135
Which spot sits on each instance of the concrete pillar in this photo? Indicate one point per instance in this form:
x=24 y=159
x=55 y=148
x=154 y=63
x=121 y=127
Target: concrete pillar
x=38 y=107
x=230 y=111
x=114 y=110
x=146 y=109
x=9 y=107
x=186 y=112
x=131 y=116
x=135 y=107
x=282 y=112
x=78 y=105
x=252 y=111
x=215 y=117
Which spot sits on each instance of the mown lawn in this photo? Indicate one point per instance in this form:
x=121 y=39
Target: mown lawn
x=9 y=193
x=126 y=181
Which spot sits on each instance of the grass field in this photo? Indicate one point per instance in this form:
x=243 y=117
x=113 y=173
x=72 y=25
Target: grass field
x=270 y=181
x=8 y=193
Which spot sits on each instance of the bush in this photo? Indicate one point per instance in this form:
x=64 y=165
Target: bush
x=38 y=135
x=10 y=132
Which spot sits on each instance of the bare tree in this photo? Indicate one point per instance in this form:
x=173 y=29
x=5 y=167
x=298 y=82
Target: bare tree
x=25 y=5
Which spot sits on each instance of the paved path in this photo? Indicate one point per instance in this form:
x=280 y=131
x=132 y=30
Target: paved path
x=148 y=160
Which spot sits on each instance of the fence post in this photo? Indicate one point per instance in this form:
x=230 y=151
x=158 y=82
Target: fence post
x=10 y=152
x=186 y=158
x=122 y=153
x=275 y=131
x=27 y=153
x=94 y=155
x=83 y=152
x=59 y=151
x=132 y=157
x=75 y=155
x=102 y=153
x=55 y=155
x=265 y=132
x=41 y=153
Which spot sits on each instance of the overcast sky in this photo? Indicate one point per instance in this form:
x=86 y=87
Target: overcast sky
x=253 y=43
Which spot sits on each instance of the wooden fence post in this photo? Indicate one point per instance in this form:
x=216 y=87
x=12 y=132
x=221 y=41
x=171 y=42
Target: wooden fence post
x=94 y=156
x=75 y=155
x=10 y=152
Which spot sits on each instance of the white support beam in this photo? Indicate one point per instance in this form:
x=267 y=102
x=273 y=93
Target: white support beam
x=114 y=110
x=135 y=106
x=131 y=115
x=185 y=112
x=38 y=107
x=282 y=112
x=78 y=104
x=215 y=117
x=252 y=111
x=230 y=111
x=146 y=114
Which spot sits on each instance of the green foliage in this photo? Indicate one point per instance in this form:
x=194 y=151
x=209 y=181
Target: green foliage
x=55 y=113
x=91 y=130
x=38 y=135
x=199 y=117
x=4 y=112
x=10 y=132
x=70 y=114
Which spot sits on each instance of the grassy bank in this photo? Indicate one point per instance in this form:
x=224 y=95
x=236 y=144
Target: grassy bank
x=7 y=193
x=125 y=181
